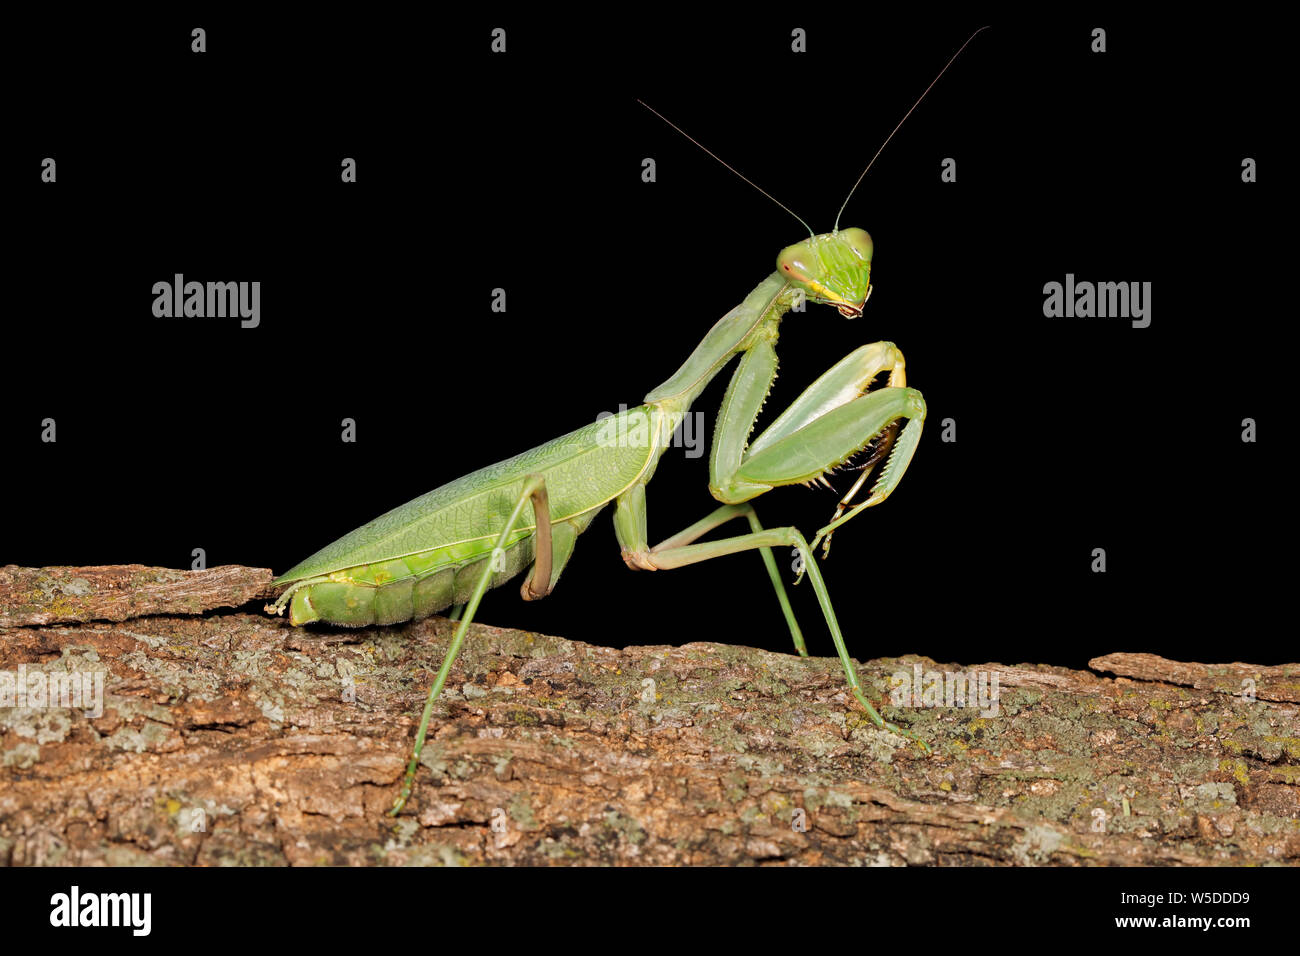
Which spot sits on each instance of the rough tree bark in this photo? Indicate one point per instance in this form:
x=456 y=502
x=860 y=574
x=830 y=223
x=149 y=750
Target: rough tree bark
x=229 y=737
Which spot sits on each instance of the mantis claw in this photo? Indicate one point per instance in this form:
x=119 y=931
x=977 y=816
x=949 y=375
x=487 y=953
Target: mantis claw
x=887 y=725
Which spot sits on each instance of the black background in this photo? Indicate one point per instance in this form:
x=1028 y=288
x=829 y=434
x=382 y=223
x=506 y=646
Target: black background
x=523 y=171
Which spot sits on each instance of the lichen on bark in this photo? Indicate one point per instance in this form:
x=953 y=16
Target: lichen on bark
x=232 y=738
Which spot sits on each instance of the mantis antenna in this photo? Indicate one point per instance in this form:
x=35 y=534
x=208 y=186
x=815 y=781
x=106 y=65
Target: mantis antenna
x=900 y=123
x=728 y=165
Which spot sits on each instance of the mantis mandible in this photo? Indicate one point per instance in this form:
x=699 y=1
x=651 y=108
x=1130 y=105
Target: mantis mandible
x=448 y=547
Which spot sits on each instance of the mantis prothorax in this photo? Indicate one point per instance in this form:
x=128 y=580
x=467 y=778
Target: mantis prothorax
x=449 y=546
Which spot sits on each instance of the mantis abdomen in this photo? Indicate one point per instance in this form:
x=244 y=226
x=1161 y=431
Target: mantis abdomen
x=429 y=554
x=393 y=591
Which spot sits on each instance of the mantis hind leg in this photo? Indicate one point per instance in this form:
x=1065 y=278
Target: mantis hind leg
x=535 y=489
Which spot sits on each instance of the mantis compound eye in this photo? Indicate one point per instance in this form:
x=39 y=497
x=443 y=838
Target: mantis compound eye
x=789 y=264
x=859 y=241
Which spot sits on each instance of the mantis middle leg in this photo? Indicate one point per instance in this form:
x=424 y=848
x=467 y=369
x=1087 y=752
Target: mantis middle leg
x=833 y=420
x=665 y=557
x=635 y=528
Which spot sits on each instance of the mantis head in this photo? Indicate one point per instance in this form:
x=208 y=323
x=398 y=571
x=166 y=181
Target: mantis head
x=833 y=268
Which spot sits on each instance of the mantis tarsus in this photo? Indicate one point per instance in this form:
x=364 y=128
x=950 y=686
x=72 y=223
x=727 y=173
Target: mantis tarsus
x=449 y=546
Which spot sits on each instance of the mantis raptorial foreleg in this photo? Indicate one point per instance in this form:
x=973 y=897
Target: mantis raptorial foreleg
x=535 y=489
x=815 y=434
x=835 y=418
x=848 y=379
x=904 y=447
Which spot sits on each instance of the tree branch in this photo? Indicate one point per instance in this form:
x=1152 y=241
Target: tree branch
x=234 y=738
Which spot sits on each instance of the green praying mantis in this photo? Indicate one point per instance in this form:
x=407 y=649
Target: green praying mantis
x=448 y=547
